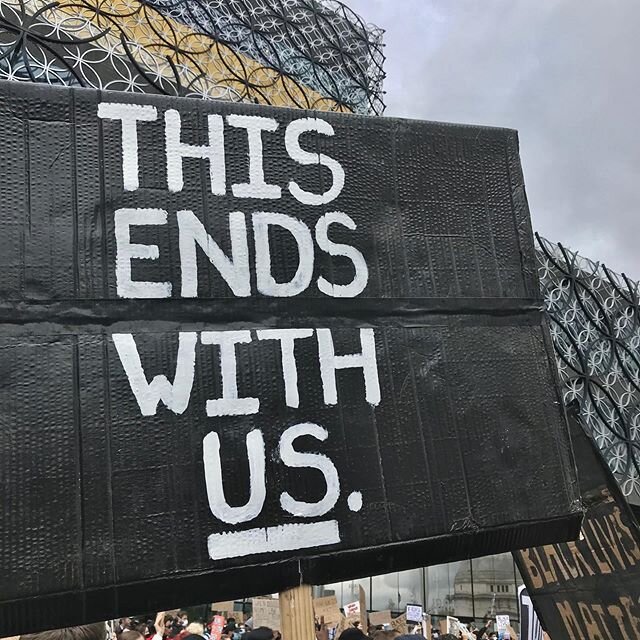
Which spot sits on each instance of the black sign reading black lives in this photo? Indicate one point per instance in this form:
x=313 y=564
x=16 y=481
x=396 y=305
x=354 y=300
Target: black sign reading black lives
x=589 y=588
x=244 y=347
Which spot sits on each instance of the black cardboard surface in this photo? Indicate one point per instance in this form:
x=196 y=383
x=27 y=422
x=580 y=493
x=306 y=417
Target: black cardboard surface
x=589 y=588
x=464 y=451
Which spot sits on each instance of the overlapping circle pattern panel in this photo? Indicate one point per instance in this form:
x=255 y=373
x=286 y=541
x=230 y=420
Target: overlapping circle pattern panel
x=595 y=327
x=302 y=53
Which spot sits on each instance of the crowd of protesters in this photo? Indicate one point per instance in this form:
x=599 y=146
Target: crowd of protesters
x=178 y=627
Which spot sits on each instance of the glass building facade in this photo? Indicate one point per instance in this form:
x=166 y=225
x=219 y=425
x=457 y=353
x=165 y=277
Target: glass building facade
x=468 y=590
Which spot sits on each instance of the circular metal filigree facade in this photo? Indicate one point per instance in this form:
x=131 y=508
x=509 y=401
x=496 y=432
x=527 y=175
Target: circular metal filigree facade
x=325 y=45
x=300 y=53
x=595 y=326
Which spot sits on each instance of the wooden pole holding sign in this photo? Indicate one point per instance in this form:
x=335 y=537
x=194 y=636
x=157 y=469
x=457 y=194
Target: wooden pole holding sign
x=296 y=613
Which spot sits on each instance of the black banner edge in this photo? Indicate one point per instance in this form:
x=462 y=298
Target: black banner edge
x=68 y=609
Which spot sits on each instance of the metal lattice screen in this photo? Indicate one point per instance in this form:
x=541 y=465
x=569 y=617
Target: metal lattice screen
x=313 y=54
x=595 y=326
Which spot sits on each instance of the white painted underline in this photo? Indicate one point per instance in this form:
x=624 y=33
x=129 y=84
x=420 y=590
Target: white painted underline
x=286 y=537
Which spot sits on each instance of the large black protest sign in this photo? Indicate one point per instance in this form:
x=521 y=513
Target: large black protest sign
x=244 y=347
x=589 y=588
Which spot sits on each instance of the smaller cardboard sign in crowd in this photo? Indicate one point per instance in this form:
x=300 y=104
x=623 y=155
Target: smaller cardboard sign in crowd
x=380 y=618
x=400 y=623
x=503 y=624
x=327 y=609
x=266 y=613
x=355 y=613
x=217 y=627
x=414 y=613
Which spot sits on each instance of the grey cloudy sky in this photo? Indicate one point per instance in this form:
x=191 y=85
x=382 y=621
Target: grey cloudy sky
x=562 y=72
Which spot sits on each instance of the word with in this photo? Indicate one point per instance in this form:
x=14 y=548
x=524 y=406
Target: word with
x=176 y=395
x=235 y=270
x=130 y=115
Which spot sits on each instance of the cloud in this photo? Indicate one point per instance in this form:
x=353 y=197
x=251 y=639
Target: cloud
x=561 y=72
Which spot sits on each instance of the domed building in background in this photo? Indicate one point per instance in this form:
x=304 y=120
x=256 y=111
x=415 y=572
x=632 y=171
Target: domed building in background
x=487 y=589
